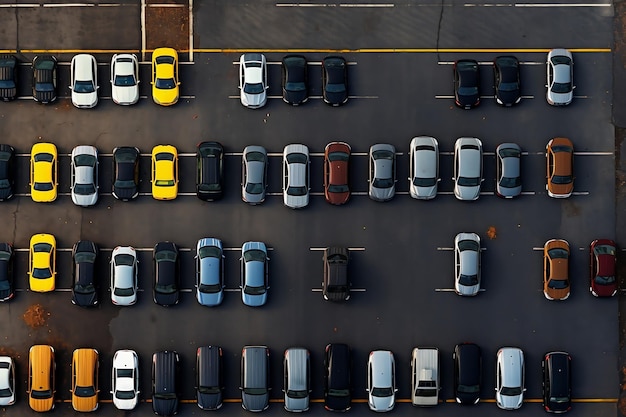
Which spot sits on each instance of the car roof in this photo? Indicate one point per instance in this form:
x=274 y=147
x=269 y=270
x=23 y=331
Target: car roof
x=511 y=362
x=381 y=362
x=468 y=360
x=83 y=66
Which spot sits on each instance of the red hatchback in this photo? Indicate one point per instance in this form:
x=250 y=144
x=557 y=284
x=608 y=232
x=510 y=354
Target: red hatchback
x=336 y=157
x=603 y=254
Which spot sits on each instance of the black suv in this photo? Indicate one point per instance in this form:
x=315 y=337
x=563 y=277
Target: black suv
x=8 y=77
x=337 y=363
x=210 y=171
x=166 y=271
x=467 y=373
x=209 y=377
x=336 y=285
x=557 y=382
x=164 y=383
x=84 y=293
x=45 y=79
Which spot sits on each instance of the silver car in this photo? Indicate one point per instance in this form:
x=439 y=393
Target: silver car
x=508 y=177
x=468 y=168
x=423 y=167
x=84 y=181
x=510 y=378
x=467 y=264
x=254 y=274
x=7 y=381
x=253 y=80
x=296 y=185
x=124 y=266
x=125 y=379
x=84 y=81
x=381 y=381
x=124 y=79
x=253 y=174
x=209 y=272
x=560 y=73
x=382 y=176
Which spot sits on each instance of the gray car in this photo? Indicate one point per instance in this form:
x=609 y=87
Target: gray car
x=382 y=168
x=253 y=174
x=253 y=80
x=508 y=177
x=209 y=272
x=254 y=274
x=467 y=264
x=297 y=379
x=423 y=167
x=468 y=168
x=84 y=163
x=124 y=276
x=255 y=378
x=560 y=74
x=296 y=176
x=381 y=381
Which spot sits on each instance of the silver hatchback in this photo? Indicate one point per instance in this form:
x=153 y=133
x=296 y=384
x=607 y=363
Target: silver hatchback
x=253 y=174
x=382 y=176
x=423 y=168
x=467 y=264
x=468 y=168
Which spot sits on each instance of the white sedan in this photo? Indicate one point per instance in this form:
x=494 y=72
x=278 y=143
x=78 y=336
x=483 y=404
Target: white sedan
x=84 y=81
x=124 y=276
x=125 y=379
x=124 y=79
x=253 y=80
x=7 y=381
x=84 y=181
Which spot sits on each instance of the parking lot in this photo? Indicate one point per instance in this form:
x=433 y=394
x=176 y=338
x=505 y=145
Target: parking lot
x=400 y=73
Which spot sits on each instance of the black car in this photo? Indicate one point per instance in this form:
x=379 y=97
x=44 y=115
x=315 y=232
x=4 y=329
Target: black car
x=84 y=254
x=6 y=272
x=336 y=283
x=467 y=373
x=125 y=173
x=335 y=80
x=210 y=171
x=209 y=377
x=506 y=80
x=45 y=79
x=166 y=266
x=466 y=83
x=8 y=77
x=557 y=382
x=294 y=72
x=165 y=383
x=337 y=363
x=7 y=171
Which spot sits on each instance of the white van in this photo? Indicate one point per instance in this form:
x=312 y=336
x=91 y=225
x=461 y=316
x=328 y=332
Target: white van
x=425 y=384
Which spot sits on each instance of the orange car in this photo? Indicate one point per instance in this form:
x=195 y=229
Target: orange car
x=556 y=284
x=560 y=167
x=336 y=157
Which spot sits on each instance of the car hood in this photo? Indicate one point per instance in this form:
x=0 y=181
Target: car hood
x=337 y=98
x=467 y=193
x=210 y=299
x=295 y=97
x=166 y=299
x=382 y=194
x=466 y=398
x=508 y=98
x=560 y=98
x=125 y=193
x=85 y=404
x=255 y=402
x=125 y=95
x=85 y=300
x=296 y=404
x=125 y=404
x=423 y=193
x=381 y=403
x=509 y=402
x=254 y=300
x=165 y=407
x=209 y=401
x=337 y=403
x=85 y=100
x=253 y=100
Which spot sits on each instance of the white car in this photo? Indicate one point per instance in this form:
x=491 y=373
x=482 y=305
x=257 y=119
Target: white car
x=7 y=381
x=253 y=80
x=124 y=267
x=84 y=84
x=125 y=379
x=124 y=79
x=468 y=168
x=560 y=77
x=510 y=378
x=84 y=181
x=296 y=186
x=423 y=168
x=467 y=264
x=381 y=381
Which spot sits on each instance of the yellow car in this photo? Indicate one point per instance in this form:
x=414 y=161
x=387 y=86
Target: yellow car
x=165 y=76
x=85 y=380
x=42 y=262
x=164 y=172
x=43 y=172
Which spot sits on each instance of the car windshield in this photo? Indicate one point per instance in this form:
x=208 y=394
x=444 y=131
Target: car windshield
x=42 y=273
x=335 y=88
x=209 y=390
x=81 y=257
x=209 y=252
x=559 y=399
x=510 y=182
x=84 y=189
x=255 y=156
x=254 y=188
x=338 y=156
x=604 y=280
x=561 y=88
x=165 y=396
x=123 y=292
x=558 y=253
x=209 y=289
x=338 y=392
x=511 y=391
x=297 y=394
x=254 y=255
x=165 y=255
x=296 y=158
x=85 y=161
x=424 y=182
x=256 y=88
x=295 y=86
x=255 y=391
x=43 y=186
x=165 y=83
x=254 y=290
x=468 y=182
x=84 y=87
x=557 y=284
x=124 y=184
x=468 y=389
x=383 y=182
x=43 y=157
x=6 y=392
x=124 y=80
x=166 y=289
x=125 y=395
x=508 y=87
x=338 y=188
x=468 y=280
x=562 y=179
x=41 y=394
x=297 y=191
x=85 y=391
x=468 y=91
x=164 y=183
x=427 y=392
x=84 y=289
x=382 y=392
x=124 y=259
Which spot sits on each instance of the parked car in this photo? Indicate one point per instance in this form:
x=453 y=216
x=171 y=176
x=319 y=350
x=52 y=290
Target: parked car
x=124 y=79
x=84 y=164
x=84 y=254
x=8 y=77
x=296 y=176
x=210 y=171
x=125 y=379
x=382 y=172
x=44 y=82
x=468 y=168
x=165 y=82
x=557 y=382
x=560 y=167
x=381 y=381
x=466 y=83
x=556 y=283
x=253 y=80
x=297 y=379
x=165 y=384
x=84 y=81
x=42 y=262
x=603 y=267
x=254 y=174
x=7 y=381
x=425 y=376
x=508 y=170
x=209 y=272
x=124 y=266
x=85 y=390
x=423 y=167
x=334 y=80
x=43 y=172
x=166 y=274
x=506 y=80
x=294 y=72
x=336 y=164
x=164 y=172
x=337 y=380
x=7 y=290
x=42 y=379
x=510 y=378
x=209 y=377
x=560 y=73
x=467 y=264
x=467 y=373
x=125 y=173
x=7 y=171
x=336 y=283
x=254 y=274
x=255 y=378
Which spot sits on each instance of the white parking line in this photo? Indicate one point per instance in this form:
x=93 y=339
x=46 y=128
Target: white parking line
x=351 y=290
x=452 y=290
x=351 y=249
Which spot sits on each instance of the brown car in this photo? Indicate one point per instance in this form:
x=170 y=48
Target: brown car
x=336 y=157
x=556 y=285
x=560 y=165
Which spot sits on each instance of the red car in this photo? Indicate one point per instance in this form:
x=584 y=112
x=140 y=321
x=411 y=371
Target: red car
x=602 y=253
x=336 y=157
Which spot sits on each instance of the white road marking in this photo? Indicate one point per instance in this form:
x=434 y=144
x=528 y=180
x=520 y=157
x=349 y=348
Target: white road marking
x=351 y=249
x=190 y=10
x=143 y=30
x=351 y=290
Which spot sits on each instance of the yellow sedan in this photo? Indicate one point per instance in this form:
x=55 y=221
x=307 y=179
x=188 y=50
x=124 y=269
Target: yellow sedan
x=165 y=76
x=42 y=263
x=43 y=172
x=164 y=172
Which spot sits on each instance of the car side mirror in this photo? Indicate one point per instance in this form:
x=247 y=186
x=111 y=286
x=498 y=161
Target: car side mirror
x=367 y=390
x=178 y=83
x=395 y=390
x=70 y=87
x=573 y=87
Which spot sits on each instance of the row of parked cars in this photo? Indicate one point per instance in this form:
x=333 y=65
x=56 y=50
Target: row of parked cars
x=255 y=378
